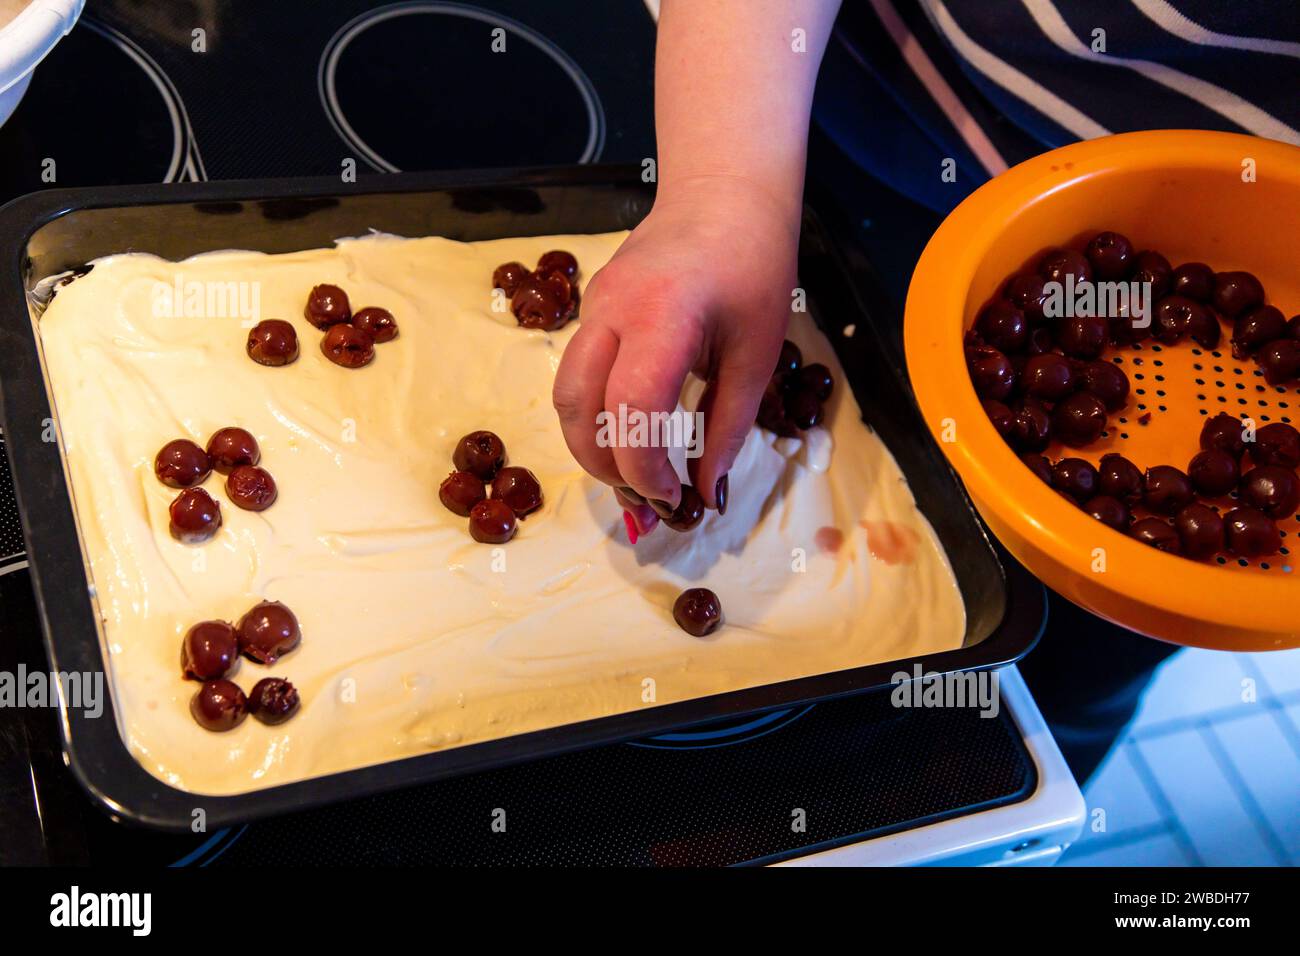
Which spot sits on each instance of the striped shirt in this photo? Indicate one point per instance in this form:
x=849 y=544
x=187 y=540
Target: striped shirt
x=988 y=83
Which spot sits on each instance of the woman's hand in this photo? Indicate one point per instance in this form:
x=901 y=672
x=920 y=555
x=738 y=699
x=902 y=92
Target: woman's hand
x=702 y=285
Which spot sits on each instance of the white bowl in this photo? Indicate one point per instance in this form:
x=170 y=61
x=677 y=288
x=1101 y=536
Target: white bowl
x=24 y=42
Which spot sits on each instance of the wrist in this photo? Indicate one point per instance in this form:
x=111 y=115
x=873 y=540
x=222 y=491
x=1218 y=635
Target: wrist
x=734 y=192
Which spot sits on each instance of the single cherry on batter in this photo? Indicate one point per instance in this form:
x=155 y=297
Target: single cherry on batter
x=378 y=323
x=181 y=464
x=231 y=447
x=519 y=489
x=267 y=631
x=273 y=700
x=480 y=453
x=327 y=305
x=195 y=517
x=461 y=491
x=492 y=522
x=348 y=346
x=251 y=488
x=209 y=651
x=697 y=611
x=219 y=705
x=272 y=342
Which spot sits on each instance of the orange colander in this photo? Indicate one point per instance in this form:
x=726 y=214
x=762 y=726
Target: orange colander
x=1232 y=201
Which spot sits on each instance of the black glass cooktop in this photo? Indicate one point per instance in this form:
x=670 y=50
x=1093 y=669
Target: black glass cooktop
x=306 y=87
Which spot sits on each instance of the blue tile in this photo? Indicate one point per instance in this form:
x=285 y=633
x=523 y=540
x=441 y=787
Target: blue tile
x=1191 y=683
x=1204 y=801
x=1158 y=850
x=1280 y=670
x=1270 y=770
x=1117 y=789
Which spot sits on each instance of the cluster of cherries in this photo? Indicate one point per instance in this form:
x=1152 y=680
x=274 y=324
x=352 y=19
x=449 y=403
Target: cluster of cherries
x=1041 y=378
x=210 y=652
x=195 y=516
x=544 y=298
x=480 y=462
x=350 y=337
x=795 y=394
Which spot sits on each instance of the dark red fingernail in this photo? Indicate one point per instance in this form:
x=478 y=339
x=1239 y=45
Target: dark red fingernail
x=720 y=494
x=632 y=496
x=630 y=523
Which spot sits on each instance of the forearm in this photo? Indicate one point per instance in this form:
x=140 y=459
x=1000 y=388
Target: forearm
x=733 y=92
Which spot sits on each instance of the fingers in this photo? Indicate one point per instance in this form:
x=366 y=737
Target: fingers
x=579 y=396
x=729 y=405
x=647 y=379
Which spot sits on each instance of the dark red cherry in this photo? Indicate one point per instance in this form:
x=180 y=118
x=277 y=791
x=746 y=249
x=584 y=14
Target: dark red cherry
x=518 y=488
x=181 y=464
x=378 y=323
x=195 y=517
x=209 y=651
x=1111 y=255
x=697 y=611
x=492 y=522
x=1200 y=530
x=272 y=342
x=268 y=631
x=327 y=305
x=1235 y=292
x=348 y=346
x=480 y=453
x=461 y=491
x=219 y=705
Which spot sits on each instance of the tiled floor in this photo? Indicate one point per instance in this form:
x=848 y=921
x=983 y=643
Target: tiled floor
x=1209 y=772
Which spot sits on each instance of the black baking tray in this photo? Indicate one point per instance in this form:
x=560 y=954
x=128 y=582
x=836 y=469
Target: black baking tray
x=47 y=233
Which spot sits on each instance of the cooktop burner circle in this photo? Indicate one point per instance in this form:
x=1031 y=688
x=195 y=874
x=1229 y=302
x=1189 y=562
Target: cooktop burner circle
x=142 y=134
x=518 y=99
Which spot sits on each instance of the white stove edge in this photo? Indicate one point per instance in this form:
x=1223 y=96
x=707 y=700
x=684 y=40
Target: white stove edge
x=1033 y=832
